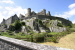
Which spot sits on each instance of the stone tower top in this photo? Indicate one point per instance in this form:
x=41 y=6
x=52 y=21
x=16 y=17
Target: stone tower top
x=48 y=14
x=43 y=12
x=29 y=11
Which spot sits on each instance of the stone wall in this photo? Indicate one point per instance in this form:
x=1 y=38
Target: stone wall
x=15 y=17
x=43 y=12
x=8 y=22
x=48 y=14
x=11 y=20
x=57 y=29
x=32 y=13
x=15 y=44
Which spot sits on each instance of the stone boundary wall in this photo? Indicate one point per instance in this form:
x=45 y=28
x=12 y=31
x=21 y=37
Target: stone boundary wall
x=15 y=44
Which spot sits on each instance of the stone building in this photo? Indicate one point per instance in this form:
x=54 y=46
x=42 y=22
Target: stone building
x=30 y=20
x=43 y=12
x=9 y=21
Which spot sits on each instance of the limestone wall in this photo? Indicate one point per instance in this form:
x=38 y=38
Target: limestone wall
x=15 y=44
x=8 y=22
x=43 y=12
x=11 y=20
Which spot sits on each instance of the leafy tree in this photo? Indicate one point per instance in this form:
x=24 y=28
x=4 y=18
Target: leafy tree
x=17 y=25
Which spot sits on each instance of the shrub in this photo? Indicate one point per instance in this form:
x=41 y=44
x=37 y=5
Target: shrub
x=60 y=24
x=23 y=23
x=17 y=25
x=72 y=29
x=37 y=37
x=54 y=37
x=12 y=27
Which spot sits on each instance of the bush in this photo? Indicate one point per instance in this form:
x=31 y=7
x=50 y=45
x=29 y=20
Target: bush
x=54 y=37
x=23 y=23
x=11 y=27
x=60 y=24
x=17 y=25
x=72 y=29
x=37 y=37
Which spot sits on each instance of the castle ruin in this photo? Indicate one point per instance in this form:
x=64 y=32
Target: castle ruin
x=30 y=20
x=43 y=12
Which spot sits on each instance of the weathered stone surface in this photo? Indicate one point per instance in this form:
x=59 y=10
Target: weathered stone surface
x=24 y=29
x=15 y=44
x=21 y=17
x=30 y=21
x=57 y=29
x=42 y=29
x=9 y=21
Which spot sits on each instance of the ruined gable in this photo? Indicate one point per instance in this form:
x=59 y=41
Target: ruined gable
x=9 y=20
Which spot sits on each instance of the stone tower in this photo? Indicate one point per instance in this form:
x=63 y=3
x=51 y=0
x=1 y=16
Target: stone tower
x=48 y=14
x=44 y=11
x=29 y=12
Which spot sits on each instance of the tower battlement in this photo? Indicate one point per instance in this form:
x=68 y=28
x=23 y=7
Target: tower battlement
x=43 y=12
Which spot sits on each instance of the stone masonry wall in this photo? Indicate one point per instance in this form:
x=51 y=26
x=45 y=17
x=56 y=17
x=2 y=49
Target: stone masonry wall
x=15 y=44
x=8 y=22
x=43 y=12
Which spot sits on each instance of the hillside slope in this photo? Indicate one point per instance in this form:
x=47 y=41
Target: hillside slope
x=67 y=41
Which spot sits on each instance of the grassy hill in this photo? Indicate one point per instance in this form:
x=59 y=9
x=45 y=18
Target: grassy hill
x=67 y=41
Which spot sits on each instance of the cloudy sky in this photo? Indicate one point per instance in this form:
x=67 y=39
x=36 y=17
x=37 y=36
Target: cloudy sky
x=60 y=8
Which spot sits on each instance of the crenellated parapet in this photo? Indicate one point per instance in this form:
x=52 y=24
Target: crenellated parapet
x=48 y=14
x=43 y=12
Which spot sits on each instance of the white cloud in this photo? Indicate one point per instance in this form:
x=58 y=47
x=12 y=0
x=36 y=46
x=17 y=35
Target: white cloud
x=73 y=21
x=72 y=6
x=1 y=17
x=1 y=7
x=16 y=10
x=10 y=11
x=7 y=1
x=69 y=13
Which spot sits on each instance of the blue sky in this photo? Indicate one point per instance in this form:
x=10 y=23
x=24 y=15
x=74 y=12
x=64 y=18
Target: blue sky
x=60 y=8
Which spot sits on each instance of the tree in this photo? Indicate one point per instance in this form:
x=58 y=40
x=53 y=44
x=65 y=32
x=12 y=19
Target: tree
x=17 y=25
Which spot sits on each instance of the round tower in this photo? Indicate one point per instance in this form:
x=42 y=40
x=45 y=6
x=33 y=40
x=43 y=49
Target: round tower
x=44 y=11
x=49 y=13
x=29 y=11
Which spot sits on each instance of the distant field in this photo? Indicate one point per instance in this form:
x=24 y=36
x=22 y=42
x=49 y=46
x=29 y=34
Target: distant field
x=67 y=41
